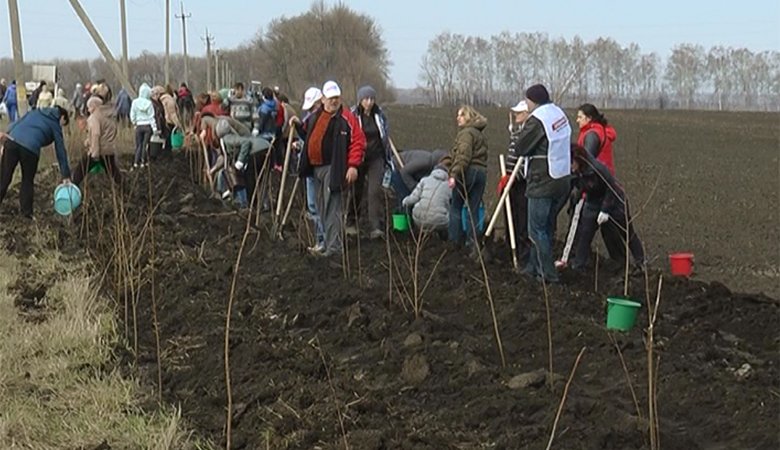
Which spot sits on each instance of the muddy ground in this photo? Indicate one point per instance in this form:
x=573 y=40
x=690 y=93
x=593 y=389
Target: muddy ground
x=324 y=356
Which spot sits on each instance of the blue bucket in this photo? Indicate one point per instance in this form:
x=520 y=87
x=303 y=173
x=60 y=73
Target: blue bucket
x=67 y=197
x=464 y=218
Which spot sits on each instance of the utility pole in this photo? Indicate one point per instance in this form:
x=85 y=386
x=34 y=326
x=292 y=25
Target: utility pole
x=16 y=42
x=101 y=44
x=123 y=14
x=209 y=39
x=167 y=42
x=184 y=18
x=216 y=70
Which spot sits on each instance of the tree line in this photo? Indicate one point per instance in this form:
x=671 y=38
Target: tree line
x=294 y=53
x=458 y=68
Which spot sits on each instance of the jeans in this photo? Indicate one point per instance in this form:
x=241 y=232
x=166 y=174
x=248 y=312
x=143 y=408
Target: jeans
x=541 y=219
x=311 y=206
x=475 y=180
x=143 y=133
x=13 y=112
x=401 y=189
x=12 y=155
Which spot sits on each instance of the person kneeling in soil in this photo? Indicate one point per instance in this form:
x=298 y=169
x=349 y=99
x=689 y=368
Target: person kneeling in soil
x=23 y=144
x=101 y=142
x=245 y=154
x=431 y=201
x=606 y=207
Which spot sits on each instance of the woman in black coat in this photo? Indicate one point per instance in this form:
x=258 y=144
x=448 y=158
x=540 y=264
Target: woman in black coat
x=605 y=207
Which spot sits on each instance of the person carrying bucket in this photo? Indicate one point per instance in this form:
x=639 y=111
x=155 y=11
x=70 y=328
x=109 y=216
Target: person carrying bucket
x=23 y=143
x=100 y=143
x=605 y=207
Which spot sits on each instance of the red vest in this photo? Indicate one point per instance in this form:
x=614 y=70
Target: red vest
x=607 y=136
x=279 y=115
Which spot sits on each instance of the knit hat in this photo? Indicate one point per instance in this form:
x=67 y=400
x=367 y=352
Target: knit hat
x=331 y=89
x=366 y=92
x=538 y=94
x=311 y=97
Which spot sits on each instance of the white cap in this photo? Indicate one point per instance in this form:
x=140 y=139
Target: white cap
x=311 y=97
x=331 y=89
x=522 y=106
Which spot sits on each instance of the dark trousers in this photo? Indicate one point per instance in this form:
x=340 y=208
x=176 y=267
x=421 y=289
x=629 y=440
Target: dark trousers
x=613 y=233
x=109 y=162
x=368 y=191
x=469 y=189
x=520 y=219
x=12 y=155
x=401 y=189
x=143 y=133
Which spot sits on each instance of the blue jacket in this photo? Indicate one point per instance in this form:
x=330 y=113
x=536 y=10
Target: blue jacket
x=39 y=128
x=10 y=95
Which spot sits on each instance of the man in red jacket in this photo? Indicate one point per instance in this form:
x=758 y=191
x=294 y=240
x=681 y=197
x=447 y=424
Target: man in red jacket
x=333 y=149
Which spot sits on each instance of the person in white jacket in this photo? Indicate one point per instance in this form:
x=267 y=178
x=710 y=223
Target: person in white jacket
x=142 y=117
x=431 y=201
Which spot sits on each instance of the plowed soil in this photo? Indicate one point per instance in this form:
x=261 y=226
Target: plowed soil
x=324 y=354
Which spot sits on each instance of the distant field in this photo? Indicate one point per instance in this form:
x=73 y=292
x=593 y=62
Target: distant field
x=717 y=182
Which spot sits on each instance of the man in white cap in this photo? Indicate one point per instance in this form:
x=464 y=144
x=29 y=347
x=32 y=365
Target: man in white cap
x=518 y=114
x=312 y=101
x=333 y=150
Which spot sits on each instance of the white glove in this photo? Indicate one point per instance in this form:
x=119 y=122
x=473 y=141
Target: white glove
x=255 y=132
x=602 y=218
x=239 y=165
x=406 y=202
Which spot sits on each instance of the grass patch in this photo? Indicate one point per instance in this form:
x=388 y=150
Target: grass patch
x=58 y=386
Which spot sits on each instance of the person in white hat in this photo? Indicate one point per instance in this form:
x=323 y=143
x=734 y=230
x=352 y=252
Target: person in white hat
x=312 y=100
x=333 y=150
x=518 y=114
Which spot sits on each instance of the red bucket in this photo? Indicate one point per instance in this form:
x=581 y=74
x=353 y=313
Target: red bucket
x=682 y=264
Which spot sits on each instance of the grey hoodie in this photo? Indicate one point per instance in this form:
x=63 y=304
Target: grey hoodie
x=431 y=200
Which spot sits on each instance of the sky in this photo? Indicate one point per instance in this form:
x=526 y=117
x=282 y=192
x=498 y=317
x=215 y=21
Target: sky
x=51 y=29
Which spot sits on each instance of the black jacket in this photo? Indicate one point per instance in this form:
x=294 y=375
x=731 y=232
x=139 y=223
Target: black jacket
x=602 y=191
x=532 y=141
x=346 y=143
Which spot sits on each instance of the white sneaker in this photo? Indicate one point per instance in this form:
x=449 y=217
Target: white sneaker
x=351 y=230
x=560 y=264
x=317 y=250
x=226 y=195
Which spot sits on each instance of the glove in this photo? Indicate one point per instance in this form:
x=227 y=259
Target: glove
x=451 y=183
x=406 y=201
x=602 y=218
x=502 y=184
x=255 y=132
x=239 y=165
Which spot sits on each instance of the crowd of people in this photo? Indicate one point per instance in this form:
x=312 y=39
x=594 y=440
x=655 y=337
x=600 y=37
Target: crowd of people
x=347 y=162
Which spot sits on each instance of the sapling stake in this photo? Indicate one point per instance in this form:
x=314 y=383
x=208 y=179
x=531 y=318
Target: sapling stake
x=287 y=152
x=509 y=219
x=563 y=397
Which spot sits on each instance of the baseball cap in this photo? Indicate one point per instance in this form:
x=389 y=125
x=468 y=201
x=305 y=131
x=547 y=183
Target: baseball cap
x=310 y=97
x=522 y=106
x=331 y=89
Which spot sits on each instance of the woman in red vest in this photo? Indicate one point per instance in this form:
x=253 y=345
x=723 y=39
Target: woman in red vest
x=596 y=135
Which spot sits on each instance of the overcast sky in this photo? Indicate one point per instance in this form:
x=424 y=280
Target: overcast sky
x=51 y=29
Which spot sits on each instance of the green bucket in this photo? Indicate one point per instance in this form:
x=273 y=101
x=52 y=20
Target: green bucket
x=177 y=139
x=401 y=222
x=621 y=313
x=97 y=166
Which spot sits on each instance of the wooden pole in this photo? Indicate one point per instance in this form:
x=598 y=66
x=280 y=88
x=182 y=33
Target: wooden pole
x=101 y=45
x=123 y=14
x=16 y=43
x=509 y=219
x=184 y=18
x=209 y=40
x=167 y=42
x=279 y=203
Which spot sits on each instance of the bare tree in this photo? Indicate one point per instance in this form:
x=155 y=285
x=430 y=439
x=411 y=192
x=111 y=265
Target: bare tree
x=685 y=72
